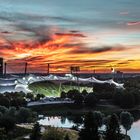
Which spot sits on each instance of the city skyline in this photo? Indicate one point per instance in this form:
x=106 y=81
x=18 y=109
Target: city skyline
x=92 y=34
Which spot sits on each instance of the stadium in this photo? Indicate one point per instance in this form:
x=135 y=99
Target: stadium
x=52 y=85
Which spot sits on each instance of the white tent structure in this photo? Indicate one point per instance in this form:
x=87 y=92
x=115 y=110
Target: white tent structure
x=17 y=83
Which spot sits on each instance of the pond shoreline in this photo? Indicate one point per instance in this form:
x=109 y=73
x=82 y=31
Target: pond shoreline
x=62 y=109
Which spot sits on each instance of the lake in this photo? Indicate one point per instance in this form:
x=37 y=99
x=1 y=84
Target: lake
x=68 y=122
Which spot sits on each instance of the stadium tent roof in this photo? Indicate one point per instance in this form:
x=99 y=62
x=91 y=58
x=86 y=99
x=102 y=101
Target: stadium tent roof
x=7 y=81
x=33 y=78
x=10 y=88
x=17 y=83
x=23 y=88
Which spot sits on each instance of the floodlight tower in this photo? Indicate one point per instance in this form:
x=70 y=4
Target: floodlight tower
x=77 y=69
x=26 y=64
x=48 y=71
x=71 y=70
x=1 y=66
x=5 y=68
x=93 y=71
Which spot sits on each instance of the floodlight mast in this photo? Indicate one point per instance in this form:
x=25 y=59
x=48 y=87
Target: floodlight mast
x=75 y=69
x=26 y=64
x=93 y=71
x=1 y=66
x=48 y=71
x=5 y=68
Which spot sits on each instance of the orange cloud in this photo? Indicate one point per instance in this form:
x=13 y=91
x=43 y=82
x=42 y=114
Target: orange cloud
x=63 y=51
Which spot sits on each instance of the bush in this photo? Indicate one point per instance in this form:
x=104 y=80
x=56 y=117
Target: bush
x=7 y=122
x=24 y=115
x=4 y=101
x=126 y=99
x=53 y=134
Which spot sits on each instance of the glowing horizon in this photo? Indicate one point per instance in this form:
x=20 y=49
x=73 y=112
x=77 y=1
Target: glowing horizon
x=91 y=36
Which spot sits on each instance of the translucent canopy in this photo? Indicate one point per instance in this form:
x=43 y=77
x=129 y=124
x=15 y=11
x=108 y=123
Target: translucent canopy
x=17 y=83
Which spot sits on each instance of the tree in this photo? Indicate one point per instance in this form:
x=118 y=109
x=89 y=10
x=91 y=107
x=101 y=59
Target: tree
x=84 y=92
x=72 y=93
x=125 y=98
x=63 y=94
x=90 y=100
x=7 y=122
x=78 y=120
x=11 y=112
x=24 y=114
x=112 y=128
x=137 y=97
x=126 y=119
x=87 y=132
x=3 y=135
x=4 y=101
x=98 y=117
x=36 y=132
x=92 y=122
x=39 y=96
x=78 y=99
x=3 y=109
x=29 y=95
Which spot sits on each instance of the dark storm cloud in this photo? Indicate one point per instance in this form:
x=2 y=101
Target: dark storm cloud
x=74 y=44
x=6 y=32
x=70 y=34
x=14 y=17
x=41 y=33
x=31 y=24
x=34 y=19
x=74 y=31
x=98 y=49
x=44 y=33
x=86 y=61
x=4 y=47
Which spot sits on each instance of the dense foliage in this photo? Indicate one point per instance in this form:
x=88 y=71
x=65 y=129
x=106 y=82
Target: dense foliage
x=9 y=117
x=128 y=97
x=81 y=98
x=94 y=120
x=13 y=99
x=18 y=99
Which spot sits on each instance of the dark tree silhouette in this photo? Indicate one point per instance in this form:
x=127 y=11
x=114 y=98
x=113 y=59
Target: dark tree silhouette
x=92 y=122
x=126 y=120
x=36 y=132
x=113 y=128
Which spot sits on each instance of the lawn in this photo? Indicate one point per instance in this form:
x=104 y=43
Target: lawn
x=53 y=90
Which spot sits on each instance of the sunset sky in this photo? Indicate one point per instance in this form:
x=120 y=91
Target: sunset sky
x=92 y=34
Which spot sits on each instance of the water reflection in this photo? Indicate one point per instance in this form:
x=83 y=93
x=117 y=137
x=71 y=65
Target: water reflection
x=57 y=122
x=134 y=132
x=70 y=121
